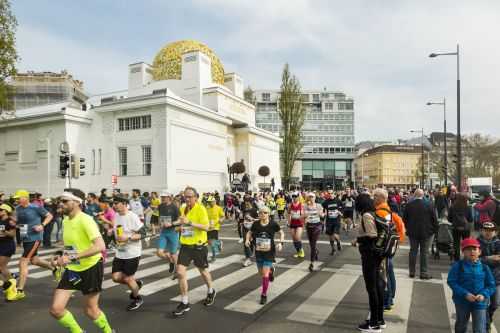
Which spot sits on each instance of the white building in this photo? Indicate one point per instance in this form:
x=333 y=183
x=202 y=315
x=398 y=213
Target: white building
x=181 y=122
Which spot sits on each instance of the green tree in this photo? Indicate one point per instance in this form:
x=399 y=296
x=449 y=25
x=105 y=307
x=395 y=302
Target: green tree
x=292 y=114
x=249 y=95
x=8 y=53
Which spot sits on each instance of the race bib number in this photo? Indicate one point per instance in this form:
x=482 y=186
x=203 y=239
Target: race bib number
x=348 y=204
x=165 y=220
x=263 y=244
x=187 y=232
x=333 y=214
x=313 y=219
x=2 y=228
x=23 y=230
x=248 y=224
x=212 y=223
x=295 y=215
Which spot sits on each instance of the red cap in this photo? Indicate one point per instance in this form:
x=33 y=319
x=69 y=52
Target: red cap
x=469 y=242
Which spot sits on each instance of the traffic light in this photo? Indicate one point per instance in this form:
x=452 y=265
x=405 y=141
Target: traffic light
x=77 y=164
x=63 y=165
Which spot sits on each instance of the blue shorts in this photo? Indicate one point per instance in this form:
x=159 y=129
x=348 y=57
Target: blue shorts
x=169 y=241
x=261 y=262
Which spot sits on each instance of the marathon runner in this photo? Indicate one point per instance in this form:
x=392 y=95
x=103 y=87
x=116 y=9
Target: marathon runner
x=7 y=249
x=333 y=209
x=105 y=219
x=82 y=260
x=250 y=214
x=313 y=216
x=155 y=215
x=296 y=224
x=215 y=214
x=30 y=224
x=135 y=204
x=128 y=230
x=262 y=234
x=168 y=241
x=281 y=205
x=348 y=209
x=194 y=227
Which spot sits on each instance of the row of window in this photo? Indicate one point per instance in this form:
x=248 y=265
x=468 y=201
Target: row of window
x=327 y=150
x=134 y=123
x=328 y=128
x=146 y=161
x=329 y=106
x=326 y=165
x=329 y=139
x=274 y=116
x=266 y=97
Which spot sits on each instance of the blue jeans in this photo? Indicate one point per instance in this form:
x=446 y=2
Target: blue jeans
x=463 y=314
x=390 y=290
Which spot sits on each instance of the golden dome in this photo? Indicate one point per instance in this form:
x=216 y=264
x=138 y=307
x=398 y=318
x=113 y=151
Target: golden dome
x=167 y=63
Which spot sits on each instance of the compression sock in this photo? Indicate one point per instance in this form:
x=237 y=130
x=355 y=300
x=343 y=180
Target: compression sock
x=297 y=245
x=265 y=285
x=70 y=323
x=332 y=244
x=102 y=323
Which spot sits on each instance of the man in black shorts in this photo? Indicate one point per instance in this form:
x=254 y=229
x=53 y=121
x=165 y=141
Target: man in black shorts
x=333 y=207
x=348 y=209
x=83 y=264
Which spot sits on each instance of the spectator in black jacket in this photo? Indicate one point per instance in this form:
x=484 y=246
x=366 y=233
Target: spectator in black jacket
x=421 y=223
x=460 y=216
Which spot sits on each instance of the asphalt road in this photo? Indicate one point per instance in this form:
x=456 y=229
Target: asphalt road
x=332 y=299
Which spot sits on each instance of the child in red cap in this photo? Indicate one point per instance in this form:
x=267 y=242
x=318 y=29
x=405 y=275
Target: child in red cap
x=472 y=284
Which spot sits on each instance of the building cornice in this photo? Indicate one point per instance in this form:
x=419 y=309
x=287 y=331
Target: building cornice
x=46 y=118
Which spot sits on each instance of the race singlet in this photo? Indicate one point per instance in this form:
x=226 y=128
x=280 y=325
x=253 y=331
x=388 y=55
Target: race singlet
x=263 y=244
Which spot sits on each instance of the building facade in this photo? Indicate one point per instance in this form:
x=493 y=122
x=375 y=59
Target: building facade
x=328 y=136
x=389 y=165
x=181 y=122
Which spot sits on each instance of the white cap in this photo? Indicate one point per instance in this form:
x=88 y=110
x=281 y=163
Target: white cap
x=165 y=193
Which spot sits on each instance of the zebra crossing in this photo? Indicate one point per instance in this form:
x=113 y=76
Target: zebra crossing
x=316 y=309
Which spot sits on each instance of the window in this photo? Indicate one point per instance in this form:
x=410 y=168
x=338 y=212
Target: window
x=93 y=161
x=266 y=97
x=146 y=160
x=329 y=106
x=305 y=98
x=134 y=123
x=122 y=158
x=315 y=97
x=100 y=160
x=346 y=106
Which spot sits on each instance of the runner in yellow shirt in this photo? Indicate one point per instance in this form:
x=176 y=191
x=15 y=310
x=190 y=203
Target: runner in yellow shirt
x=280 y=206
x=194 y=226
x=155 y=216
x=215 y=214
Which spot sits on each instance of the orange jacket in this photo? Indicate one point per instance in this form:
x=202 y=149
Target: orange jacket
x=381 y=211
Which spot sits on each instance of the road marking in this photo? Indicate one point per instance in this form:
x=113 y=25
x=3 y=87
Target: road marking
x=225 y=282
x=321 y=304
x=17 y=256
x=158 y=285
x=250 y=302
x=404 y=247
x=397 y=320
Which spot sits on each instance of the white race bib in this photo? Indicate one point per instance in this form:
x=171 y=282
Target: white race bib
x=23 y=230
x=248 y=224
x=263 y=244
x=348 y=204
x=313 y=219
x=187 y=232
x=333 y=214
x=295 y=214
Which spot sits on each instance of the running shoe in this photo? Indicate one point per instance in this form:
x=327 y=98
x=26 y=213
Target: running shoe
x=365 y=327
x=332 y=252
x=271 y=273
x=263 y=299
x=171 y=267
x=339 y=246
x=247 y=262
x=387 y=309
x=296 y=255
x=311 y=267
x=11 y=291
x=181 y=309
x=301 y=253
x=174 y=276
x=210 y=298
x=135 y=304
x=19 y=296
x=240 y=240
x=382 y=324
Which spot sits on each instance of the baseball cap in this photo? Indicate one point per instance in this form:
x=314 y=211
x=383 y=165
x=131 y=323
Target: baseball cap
x=469 y=242
x=489 y=225
x=6 y=207
x=21 y=194
x=165 y=193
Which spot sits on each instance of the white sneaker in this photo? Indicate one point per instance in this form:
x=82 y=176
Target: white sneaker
x=240 y=241
x=247 y=262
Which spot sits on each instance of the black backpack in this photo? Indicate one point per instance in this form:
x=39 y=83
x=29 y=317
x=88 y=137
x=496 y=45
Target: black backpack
x=460 y=222
x=387 y=242
x=496 y=216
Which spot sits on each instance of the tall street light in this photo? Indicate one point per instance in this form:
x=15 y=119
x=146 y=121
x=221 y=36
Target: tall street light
x=459 y=136
x=443 y=103
x=422 y=178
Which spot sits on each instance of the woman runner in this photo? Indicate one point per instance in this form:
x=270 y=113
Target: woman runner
x=313 y=216
x=296 y=224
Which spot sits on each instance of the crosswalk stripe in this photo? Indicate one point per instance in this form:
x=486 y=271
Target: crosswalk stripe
x=321 y=304
x=450 y=306
x=107 y=270
x=250 y=302
x=158 y=285
x=222 y=283
x=397 y=320
x=17 y=256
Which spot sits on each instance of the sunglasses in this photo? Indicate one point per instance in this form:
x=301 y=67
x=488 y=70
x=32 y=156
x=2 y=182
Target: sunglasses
x=65 y=200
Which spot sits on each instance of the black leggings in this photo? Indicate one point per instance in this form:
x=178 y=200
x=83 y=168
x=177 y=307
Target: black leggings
x=375 y=284
x=313 y=232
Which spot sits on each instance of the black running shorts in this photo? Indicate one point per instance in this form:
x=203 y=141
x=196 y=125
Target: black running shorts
x=213 y=234
x=196 y=254
x=332 y=227
x=31 y=249
x=88 y=281
x=125 y=266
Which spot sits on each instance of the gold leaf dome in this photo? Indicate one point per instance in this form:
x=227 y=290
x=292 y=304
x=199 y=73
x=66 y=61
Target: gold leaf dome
x=167 y=64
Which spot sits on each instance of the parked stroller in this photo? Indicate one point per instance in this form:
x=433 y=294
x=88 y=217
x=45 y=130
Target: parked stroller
x=443 y=240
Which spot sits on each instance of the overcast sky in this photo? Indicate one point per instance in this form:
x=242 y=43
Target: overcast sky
x=375 y=51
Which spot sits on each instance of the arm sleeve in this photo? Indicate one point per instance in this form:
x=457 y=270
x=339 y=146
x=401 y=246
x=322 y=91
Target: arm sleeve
x=453 y=281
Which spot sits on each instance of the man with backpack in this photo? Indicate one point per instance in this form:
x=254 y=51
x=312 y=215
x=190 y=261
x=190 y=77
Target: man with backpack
x=421 y=223
x=486 y=207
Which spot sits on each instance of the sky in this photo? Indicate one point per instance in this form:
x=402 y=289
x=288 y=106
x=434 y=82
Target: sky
x=374 y=51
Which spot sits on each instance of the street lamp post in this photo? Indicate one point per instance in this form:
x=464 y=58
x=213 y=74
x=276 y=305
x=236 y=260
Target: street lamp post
x=422 y=178
x=445 y=162
x=459 y=136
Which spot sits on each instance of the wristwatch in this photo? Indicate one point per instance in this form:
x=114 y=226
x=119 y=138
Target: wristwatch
x=73 y=258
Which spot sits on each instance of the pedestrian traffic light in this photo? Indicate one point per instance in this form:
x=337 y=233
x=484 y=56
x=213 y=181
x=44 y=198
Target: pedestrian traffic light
x=77 y=164
x=63 y=165
x=82 y=166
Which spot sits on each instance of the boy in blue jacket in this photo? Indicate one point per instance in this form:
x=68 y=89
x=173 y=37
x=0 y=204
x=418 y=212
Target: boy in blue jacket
x=490 y=255
x=472 y=284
